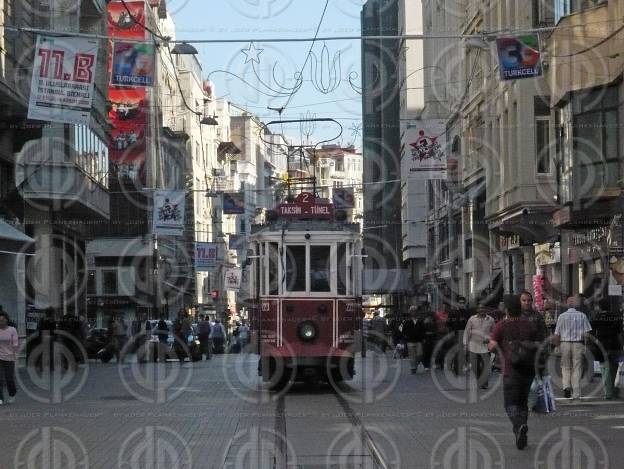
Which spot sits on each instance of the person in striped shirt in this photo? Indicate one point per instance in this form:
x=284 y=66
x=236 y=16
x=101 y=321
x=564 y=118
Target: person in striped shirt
x=570 y=331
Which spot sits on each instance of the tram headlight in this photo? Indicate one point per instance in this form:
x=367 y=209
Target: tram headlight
x=307 y=331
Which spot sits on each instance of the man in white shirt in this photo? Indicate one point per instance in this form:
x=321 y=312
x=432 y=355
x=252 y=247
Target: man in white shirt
x=570 y=332
x=476 y=339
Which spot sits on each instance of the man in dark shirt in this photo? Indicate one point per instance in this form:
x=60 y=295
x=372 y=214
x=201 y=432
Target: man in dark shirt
x=413 y=330
x=607 y=327
x=457 y=320
x=516 y=329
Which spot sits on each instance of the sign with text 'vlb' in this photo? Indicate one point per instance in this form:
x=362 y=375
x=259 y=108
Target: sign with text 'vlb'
x=306 y=206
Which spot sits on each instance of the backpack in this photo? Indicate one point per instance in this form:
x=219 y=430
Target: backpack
x=522 y=355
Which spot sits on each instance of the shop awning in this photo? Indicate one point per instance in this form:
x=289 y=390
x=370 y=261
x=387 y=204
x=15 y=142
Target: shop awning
x=227 y=148
x=13 y=241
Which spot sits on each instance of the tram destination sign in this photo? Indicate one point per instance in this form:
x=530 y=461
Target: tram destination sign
x=306 y=206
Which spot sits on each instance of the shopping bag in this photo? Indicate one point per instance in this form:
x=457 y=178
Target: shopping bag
x=549 y=394
x=619 y=377
x=533 y=393
x=543 y=394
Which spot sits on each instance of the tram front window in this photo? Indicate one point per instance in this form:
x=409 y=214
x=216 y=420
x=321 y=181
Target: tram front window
x=296 y=268
x=319 y=268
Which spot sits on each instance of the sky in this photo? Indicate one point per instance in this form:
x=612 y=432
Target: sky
x=331 y=78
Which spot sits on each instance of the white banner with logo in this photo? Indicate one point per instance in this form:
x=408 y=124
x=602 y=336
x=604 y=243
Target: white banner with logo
x=233 y=278
x=62 y=82
x=168 y=213
x=425 y=151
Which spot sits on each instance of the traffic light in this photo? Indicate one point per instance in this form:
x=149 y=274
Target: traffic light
x=214 y=294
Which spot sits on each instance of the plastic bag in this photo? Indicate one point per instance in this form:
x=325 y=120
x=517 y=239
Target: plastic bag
x=619 y=377
x=543 y=395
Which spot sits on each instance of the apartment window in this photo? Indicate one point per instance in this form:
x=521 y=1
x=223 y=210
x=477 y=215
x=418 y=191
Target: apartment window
x=468 y=249
x=339 y=164
x=543 y=147
x=431 y=194
x=565 y=7
x=444 y=242
x=109 y=282
x=233 y=168
x=91 y=288
x=543 y=14
x=596 y=137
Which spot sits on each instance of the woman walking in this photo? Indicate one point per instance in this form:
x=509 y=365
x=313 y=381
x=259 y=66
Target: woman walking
x=8 y=357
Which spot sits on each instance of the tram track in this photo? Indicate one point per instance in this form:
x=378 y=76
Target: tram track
x=289 y=443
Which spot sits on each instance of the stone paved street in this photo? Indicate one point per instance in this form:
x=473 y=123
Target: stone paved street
x=216 y=414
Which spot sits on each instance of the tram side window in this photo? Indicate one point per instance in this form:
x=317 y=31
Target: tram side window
x=342 y=269
x=320 y=262
x=273 y=269
x=296 y=268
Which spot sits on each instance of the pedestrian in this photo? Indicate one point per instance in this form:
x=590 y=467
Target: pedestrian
x=476 y=339
x=217 y=336
x=181 y=330
x=550 y=316
x=607 y=326
x=204 y=337
x=8 y=356
x=378 y=327
x=243 y=335
x=413 y=330
x=457 y=320
x=570 y=331
x=46 y=336
x=119 y=338
x=526 y=302
x=365 y=328
x=430 y=333
x=162 y=332
x=442 y=330
x=518 y=338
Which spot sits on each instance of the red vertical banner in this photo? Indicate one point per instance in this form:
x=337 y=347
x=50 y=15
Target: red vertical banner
x=129 y=105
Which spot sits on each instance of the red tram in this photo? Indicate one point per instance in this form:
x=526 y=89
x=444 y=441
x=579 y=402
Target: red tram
x=307 y=292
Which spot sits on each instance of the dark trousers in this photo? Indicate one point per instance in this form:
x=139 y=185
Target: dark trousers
x=516 y=396
x=481 y=367
x=7 y=375
x=204 y=344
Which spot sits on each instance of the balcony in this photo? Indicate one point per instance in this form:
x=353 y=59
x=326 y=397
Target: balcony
x=48 y=177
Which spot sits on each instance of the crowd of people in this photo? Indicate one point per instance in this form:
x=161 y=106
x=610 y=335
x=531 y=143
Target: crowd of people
x=513 y=338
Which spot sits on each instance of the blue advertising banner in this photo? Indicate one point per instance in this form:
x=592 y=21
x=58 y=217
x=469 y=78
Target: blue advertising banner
x=343 y=197
x=519 y=57
x=236 y=242
x=133 y=64
x=234 y=203
x=205 y=257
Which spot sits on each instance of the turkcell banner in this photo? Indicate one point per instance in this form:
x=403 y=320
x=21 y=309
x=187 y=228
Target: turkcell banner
x=63 y=75
x=133 y=64
x=168 y=213
x=205 y=257
x=519 y=57
x=425 y=151
x=233 y=278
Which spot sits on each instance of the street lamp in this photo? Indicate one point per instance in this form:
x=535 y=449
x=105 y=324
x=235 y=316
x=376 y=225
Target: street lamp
x=184 y=48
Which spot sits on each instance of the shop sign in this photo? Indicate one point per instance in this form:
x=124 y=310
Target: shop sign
x=510 y=242
x=592 y=236
x=547 y=254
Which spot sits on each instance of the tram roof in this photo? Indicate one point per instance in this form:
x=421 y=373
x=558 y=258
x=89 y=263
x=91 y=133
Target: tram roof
x=305 y=225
